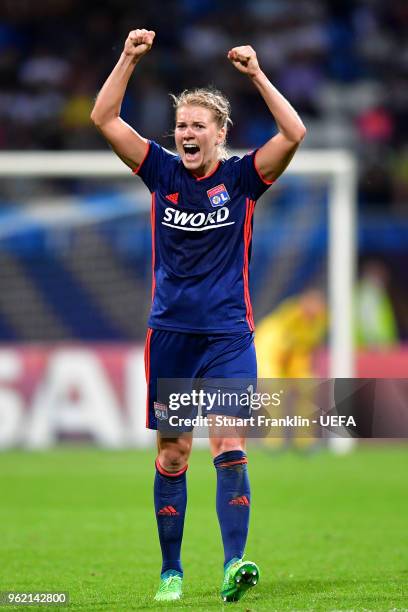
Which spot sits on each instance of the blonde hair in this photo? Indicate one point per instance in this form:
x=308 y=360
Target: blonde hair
x=215 y=101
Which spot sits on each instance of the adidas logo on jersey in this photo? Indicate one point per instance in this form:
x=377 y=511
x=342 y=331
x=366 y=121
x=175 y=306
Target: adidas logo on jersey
x=196 y=222
x=173 y=197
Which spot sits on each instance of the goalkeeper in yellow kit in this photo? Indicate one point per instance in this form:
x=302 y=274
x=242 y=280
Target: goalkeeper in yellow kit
x=285 y=341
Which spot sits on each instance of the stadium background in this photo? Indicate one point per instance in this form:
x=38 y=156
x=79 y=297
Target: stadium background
x=75 y=275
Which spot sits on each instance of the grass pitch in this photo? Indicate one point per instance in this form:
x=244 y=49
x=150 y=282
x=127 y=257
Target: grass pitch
x=329 y=532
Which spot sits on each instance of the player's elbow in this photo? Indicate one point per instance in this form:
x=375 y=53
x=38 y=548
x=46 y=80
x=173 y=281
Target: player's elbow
x=96 y=119
x=294 y=136
x=104 y=122
x=299 y=134
x=101 y=116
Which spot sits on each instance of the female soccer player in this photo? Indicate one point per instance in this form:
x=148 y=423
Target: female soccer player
x=201 y=324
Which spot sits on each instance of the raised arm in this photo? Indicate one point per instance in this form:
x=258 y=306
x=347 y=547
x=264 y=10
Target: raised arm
x=124 y=140
x=273 y=157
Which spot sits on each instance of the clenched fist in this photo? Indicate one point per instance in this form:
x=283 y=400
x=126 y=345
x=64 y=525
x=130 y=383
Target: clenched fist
x=244 y=59
x=138 y=43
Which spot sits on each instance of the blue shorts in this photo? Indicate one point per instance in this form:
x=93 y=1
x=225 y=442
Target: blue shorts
x=195 y=357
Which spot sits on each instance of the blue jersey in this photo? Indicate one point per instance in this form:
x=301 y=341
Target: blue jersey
x=201 y=241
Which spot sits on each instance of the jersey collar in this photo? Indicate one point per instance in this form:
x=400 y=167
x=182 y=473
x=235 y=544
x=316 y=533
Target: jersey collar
x=201 y=178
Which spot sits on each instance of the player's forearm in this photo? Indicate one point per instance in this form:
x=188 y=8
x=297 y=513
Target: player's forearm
x=287 y=119
x=109 y=100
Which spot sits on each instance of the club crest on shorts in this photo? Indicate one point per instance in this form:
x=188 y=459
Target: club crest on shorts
x=218 y=195
x=160 y=411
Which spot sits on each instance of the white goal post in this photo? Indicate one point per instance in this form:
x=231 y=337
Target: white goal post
x=338 y=167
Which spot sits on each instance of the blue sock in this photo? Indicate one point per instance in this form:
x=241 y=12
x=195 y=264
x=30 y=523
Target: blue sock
x=233 y=502
x=170 y=500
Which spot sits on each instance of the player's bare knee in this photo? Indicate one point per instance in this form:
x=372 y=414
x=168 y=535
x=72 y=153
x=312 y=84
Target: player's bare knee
x=172 y=460
x=224 y=445
x=174 y=454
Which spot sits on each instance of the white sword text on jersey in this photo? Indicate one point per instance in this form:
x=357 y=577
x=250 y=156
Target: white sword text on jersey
x=196 y=222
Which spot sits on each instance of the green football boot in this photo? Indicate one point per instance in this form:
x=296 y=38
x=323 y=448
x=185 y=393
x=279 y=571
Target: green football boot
x=170 y=587
x=239 y=576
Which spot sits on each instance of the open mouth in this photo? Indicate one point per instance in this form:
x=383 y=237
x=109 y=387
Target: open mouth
x=191 y=151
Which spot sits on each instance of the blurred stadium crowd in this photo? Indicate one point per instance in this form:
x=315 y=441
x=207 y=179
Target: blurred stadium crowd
x=342 y=63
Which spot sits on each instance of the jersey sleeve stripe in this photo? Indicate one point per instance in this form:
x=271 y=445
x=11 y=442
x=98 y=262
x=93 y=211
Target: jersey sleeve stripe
x=137 y=170
x=259 y=172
